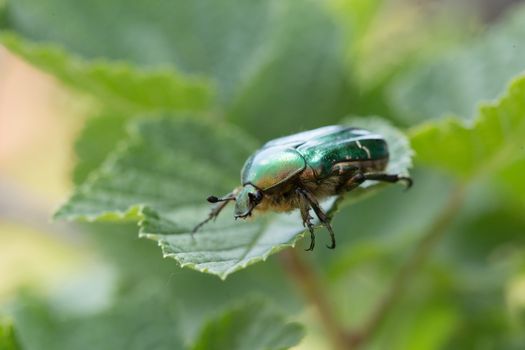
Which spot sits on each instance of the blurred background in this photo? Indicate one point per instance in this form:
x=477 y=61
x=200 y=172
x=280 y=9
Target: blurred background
x=398 y=62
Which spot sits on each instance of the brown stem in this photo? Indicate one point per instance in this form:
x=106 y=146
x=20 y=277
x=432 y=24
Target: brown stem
x=310 y=286
x=410 y=268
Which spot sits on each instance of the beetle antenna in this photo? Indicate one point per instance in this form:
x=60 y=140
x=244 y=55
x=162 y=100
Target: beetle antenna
x=214 y=199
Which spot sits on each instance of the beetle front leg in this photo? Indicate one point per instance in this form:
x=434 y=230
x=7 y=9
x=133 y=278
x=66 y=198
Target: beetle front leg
x=215 y=211
x=323 y=218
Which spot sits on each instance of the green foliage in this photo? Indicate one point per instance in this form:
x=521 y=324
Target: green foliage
x=116 y=85
x=108 y=130
x=160 y=326
x=456 y=82
x=163 y=175
x=116 y=328
x=185 y=91
x=492 y=142
x=8 y=339
x=243 y=49
x=252 y=326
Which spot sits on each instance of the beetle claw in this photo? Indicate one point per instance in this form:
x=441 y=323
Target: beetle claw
x=312 y=238
x=408 y=182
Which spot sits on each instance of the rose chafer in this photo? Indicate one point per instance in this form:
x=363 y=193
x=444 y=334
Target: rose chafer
x=297 y=171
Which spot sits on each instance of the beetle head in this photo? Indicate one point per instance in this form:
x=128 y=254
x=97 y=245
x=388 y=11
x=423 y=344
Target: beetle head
x=246 y=200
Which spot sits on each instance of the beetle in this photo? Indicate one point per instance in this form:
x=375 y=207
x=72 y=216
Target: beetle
x=297 y=171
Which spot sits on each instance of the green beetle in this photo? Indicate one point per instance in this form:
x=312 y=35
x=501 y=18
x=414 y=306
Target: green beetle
x=297 y=171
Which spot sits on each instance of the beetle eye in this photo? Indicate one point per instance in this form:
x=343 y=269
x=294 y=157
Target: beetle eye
x=255 y=197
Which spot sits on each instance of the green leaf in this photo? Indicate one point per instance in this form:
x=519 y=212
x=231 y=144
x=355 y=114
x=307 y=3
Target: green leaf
x=511 y=178
x=201 y=37
x=142 y=319
x=148 y=317
x=165 y=165
x=301 y=78
x=457 y=82
x=139 y=263
x=8 y=339
x=269 y=60
x=116 y=85
x=493 y=141
x=107 y=130
x=2 y=14
x=162 y=178
x=251 y=326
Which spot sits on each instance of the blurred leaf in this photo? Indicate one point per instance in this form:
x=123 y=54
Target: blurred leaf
x=162 y=177
x=391 y=32
x=492 y=142
x=139 y=263
x=302 y=82
x=8 y=339
x=425 y=322
x=139 y=320
x=3 y=15
x=486 y=319
x=272 y=60
x=213 y=38
x=510 y=178
x=98 y=138
x=480 y=227
x=356 y=14
x=252 y=326
x=116 y=85
x=146 y=319
x=457 y=82
x=431 y=327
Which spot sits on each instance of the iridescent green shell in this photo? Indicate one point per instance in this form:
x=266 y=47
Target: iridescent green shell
x=271 y=166
x=281 y=159
x=344 y=145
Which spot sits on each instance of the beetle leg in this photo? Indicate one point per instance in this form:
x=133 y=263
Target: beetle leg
x=358 y=178
x=323 y=218
x=312 y=237
x=216 y=210
x=307 y=219
x=392 y=178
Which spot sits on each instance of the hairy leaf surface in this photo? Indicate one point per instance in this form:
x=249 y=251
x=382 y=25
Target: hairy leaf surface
x=162 y=177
